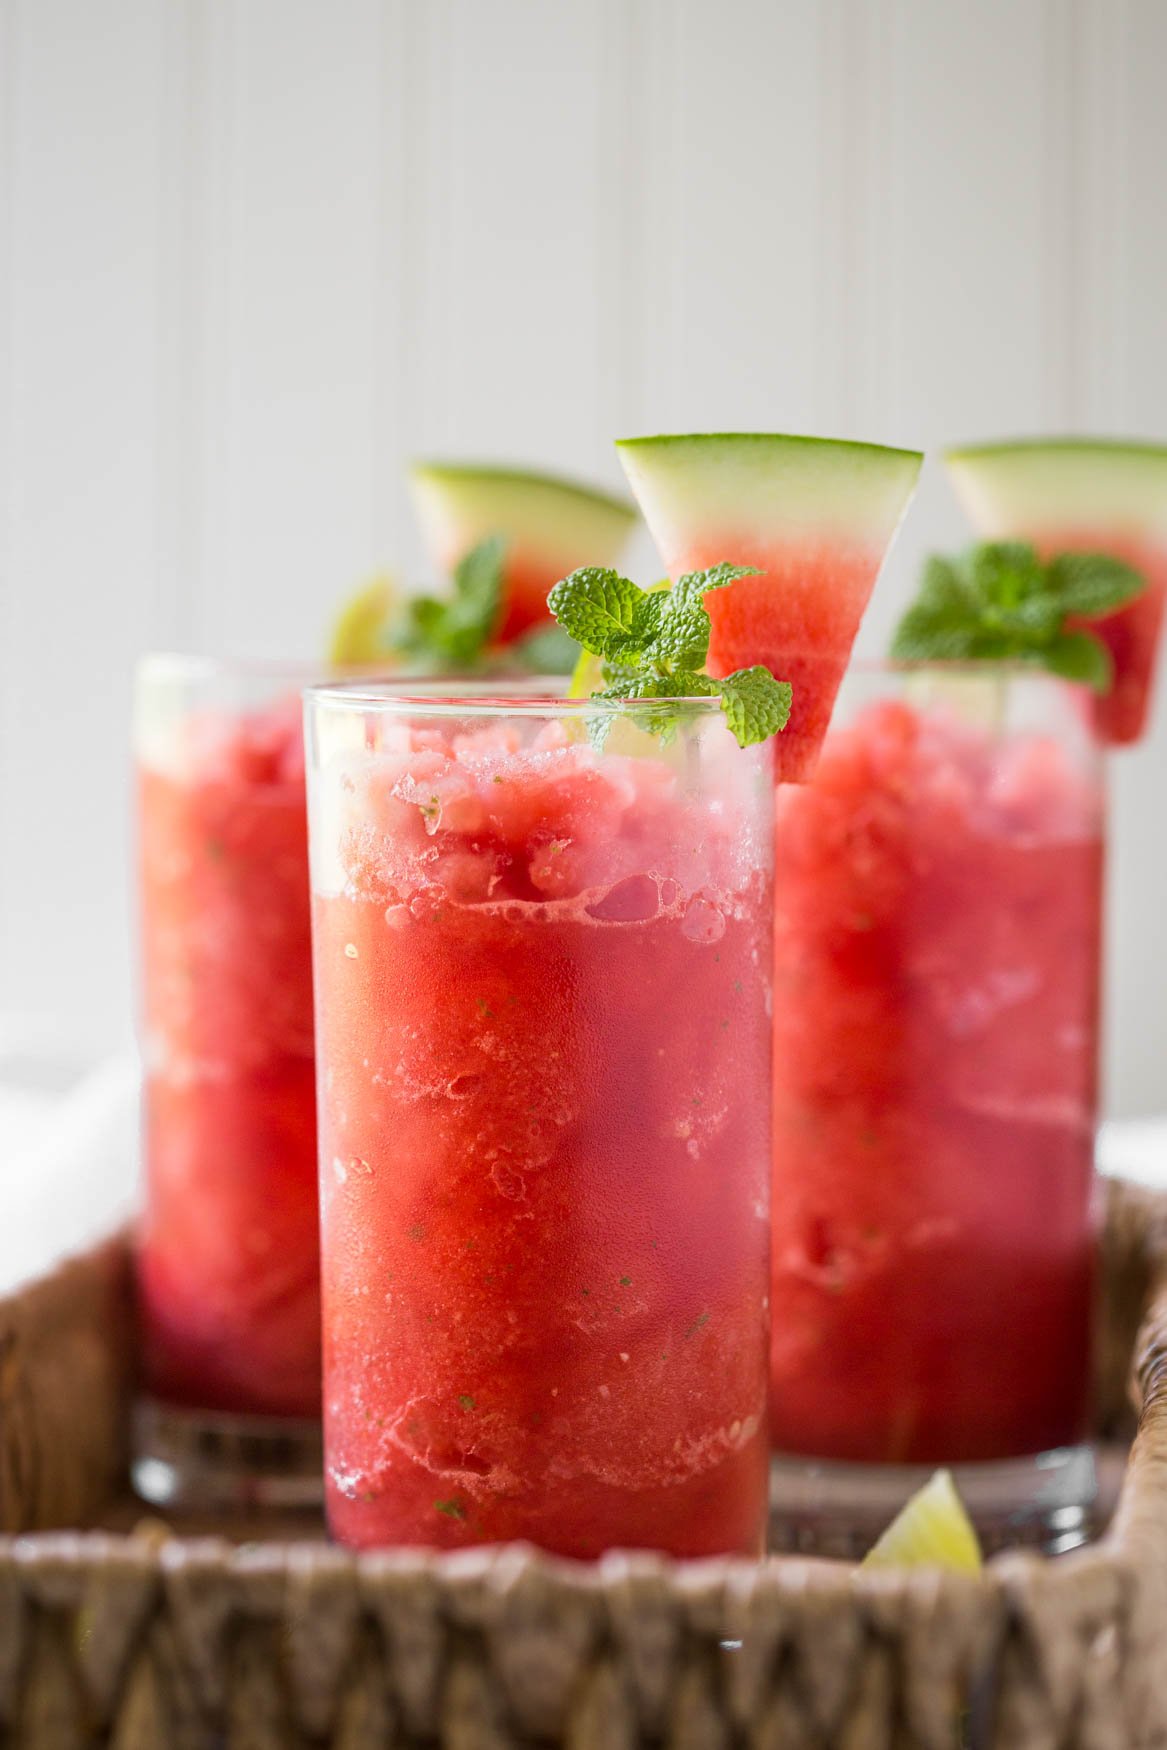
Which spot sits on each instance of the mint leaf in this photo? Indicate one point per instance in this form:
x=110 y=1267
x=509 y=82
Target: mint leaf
x=679 y=683
x=999 y=603
x=944 y=586
x=1093 y=584
x=929 y=633
x=453 y=633
x=652 y=645
x=603 y=611
x=1079 y=656
x=756 y=706
x=619 y=677
x=1002 y=574
x=682 y=640
x=478 y=577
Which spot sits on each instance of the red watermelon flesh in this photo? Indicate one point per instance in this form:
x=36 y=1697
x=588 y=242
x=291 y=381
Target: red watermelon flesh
x=824 y=594
x=549 y=523
x=1131 y=634
x=1085 y=495
x=816 y=517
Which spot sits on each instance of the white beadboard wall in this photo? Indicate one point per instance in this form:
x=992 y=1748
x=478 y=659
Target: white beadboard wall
x=255 y=253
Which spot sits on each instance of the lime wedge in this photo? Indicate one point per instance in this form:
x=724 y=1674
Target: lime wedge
x=586 y=676
x=932 y=1529
x=361 y=631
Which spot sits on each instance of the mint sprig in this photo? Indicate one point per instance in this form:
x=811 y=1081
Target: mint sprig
x=998 y=602
x=653 y=645
x=453 y=632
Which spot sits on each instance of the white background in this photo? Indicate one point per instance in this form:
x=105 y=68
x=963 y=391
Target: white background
x=254 y=253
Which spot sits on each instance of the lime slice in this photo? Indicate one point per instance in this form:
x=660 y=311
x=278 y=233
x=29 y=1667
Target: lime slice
x=586 y=676
x=361 y=631
x=932 y=1529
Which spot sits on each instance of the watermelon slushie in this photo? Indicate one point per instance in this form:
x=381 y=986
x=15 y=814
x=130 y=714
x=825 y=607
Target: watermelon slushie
x=543 y=986
x=228 y=1262
x=936 y=1017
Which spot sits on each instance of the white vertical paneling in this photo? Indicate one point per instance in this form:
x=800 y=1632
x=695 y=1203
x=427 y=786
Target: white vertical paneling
x=1129 y=269
x=967 y=310
x=82 y=331
x=512 y=233
x=1106 y=179
x=858 y=142
x=655 y=308
x=401 y=184
x=1142 y=200
x=624 y=319
x=255 y=255
x=1057 y=103
x=11 y=891
x=958 y=321
x=288 y=475
x=727 y=301
x=195 y=166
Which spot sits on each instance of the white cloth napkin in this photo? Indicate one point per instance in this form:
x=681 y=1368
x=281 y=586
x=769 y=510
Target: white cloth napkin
x=1135 y=1148
x=68 y=1162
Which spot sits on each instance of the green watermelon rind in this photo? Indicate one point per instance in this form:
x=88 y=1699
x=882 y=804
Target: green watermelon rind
x=1042 y=486
x=544 y=517
x=775 y=481
x=476 y=473
x=783 y=439
x=1134 y=447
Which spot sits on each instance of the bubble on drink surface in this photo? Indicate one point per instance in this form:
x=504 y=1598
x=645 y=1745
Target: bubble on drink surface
x=635 y=900
x=702 y=922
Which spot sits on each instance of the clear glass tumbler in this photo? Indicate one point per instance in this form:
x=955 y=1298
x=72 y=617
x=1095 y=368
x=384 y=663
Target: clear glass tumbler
x=228 y=1255
x=938 y=923
x=543 y=1038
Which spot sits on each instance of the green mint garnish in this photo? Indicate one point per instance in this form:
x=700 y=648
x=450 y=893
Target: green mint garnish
x=465 y=1401
x=452 y=1509
x=453 y=633
x=653 y=645
x=1000 y=603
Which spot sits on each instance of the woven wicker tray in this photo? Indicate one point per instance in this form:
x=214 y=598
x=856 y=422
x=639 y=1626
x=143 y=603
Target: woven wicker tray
x=141 y=1640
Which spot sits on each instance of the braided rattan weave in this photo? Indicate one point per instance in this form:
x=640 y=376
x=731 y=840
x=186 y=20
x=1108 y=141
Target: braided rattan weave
x=152 y=1642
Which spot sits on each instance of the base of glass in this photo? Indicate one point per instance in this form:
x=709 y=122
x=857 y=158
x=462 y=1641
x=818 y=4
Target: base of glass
x=208 y=1460
x=826 y=1508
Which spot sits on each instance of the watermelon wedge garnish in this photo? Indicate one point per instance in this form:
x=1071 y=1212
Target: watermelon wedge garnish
x=1089 y=495
x=816 y=517
x=550 y=525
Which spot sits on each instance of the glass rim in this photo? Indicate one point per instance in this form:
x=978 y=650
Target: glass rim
x=177 y=665
x=489 y=697
x=985 y=669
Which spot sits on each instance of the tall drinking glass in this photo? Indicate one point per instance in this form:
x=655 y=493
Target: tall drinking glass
x=543 y=1037
x=228 y=1260
x=938 y=906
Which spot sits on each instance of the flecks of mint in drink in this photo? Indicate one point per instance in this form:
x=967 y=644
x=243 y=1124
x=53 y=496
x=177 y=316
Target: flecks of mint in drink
x=452 y=1509
x=465 y=1401
x=999 y=602
x=653 y=645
